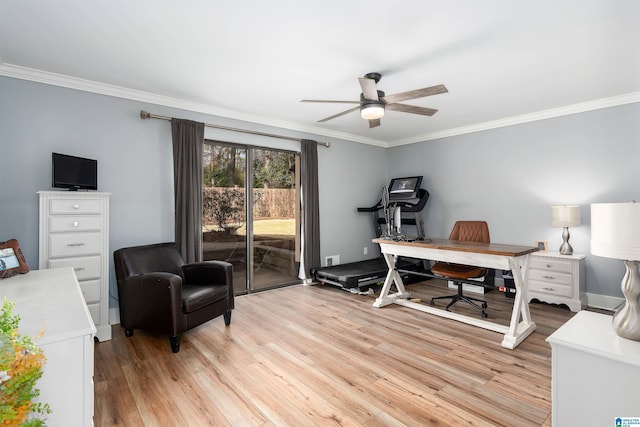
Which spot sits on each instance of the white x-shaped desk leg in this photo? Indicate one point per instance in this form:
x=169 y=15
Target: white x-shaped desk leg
x=392 y=277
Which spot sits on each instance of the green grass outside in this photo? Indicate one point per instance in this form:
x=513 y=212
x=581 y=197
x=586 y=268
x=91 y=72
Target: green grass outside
x=271 y=227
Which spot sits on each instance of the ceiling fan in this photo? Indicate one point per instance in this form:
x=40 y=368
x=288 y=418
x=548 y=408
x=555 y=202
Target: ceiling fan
x=373 y=102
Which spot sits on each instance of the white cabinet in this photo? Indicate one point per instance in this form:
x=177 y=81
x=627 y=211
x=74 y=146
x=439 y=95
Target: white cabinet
x=74 y=232
x=51 y=300
x=594 y=374
x=557 y=279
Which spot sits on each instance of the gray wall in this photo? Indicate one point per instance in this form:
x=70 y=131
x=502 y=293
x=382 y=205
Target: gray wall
x=511 y=176
x=508 y=176
x=351 y=176
x=135 y=165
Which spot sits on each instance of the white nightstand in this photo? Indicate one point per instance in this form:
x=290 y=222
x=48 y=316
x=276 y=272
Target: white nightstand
x=557 y=279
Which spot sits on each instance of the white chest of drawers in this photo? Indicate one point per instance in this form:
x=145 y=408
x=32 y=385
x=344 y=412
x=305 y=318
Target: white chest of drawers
x=557 y=279
x=74 y=232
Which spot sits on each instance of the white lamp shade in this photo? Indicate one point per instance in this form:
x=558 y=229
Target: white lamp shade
x=565 y=216
x=615 y=230
x=372 y=111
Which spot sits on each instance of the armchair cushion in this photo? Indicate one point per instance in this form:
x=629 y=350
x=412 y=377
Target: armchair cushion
x=195 y=297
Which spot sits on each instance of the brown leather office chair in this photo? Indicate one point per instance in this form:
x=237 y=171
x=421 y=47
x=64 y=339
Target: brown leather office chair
x=470 y=231
x=159 y=293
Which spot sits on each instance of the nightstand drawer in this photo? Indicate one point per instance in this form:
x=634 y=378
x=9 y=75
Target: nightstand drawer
x=551 y=288
x=74 y=244
x=551 y=264
x=62 y=223
x=550 y=276
x=75 y=206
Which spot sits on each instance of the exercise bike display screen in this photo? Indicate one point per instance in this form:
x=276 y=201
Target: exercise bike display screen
x=405 y=188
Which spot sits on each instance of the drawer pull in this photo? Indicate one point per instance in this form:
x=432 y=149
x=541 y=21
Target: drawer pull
x=76 y=223
x=76 y=206
x=78 y=269
x=75 y=244
x=548 y=265
x=548 y=289
x=548 y=277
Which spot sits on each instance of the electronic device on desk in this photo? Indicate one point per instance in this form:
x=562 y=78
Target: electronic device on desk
x=73 y=173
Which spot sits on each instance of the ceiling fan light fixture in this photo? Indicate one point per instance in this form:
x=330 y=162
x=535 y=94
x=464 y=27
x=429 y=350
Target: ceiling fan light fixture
x=372 y=111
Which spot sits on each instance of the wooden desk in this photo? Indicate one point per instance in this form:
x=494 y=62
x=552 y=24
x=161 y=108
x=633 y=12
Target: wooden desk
x=490 y=255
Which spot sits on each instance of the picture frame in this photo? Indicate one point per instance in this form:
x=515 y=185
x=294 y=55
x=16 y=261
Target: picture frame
x=541 y=245
x=12 y=260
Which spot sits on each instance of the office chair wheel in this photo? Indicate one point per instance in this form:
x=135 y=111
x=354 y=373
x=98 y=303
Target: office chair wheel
x=484 y=315
x=484 y=305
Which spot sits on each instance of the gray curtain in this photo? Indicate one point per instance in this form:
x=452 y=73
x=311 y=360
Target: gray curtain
x=311 y=207
x=188 y=146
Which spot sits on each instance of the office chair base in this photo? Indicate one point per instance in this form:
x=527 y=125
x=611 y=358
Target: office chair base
x=459 y=297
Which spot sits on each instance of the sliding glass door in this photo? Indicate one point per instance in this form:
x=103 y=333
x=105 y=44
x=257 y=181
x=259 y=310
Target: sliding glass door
x=274 y=217
x=224 y=208
x=250 y=213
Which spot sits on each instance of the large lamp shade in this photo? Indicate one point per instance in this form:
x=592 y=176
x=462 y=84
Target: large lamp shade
x=615 y=230
x=615 y=233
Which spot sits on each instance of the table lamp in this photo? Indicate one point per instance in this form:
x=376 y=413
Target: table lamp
x=565 y=216
x=615 y=233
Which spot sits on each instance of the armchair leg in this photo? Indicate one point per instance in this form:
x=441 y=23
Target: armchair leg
x=227 y=318
x=128 y=332
x=175 y=343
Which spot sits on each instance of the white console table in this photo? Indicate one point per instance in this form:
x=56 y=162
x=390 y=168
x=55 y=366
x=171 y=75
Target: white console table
x=52 y=299
x=595 y=373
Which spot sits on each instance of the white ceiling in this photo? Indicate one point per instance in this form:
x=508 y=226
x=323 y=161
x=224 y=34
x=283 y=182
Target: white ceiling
x=502 y=61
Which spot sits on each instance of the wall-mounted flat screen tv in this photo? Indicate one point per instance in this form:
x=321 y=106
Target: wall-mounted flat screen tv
x=74 y=173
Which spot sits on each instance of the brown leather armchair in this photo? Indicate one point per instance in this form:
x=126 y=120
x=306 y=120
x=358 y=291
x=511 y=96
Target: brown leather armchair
x=469 y=231
x=159 y=293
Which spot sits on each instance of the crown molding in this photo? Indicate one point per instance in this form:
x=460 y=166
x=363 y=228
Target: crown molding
x=24 y=73
x=524 y=118
x=30 y=74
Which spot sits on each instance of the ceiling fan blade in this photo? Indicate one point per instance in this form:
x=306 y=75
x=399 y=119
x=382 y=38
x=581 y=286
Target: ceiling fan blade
x=369 y=89
x=411 y=109
x=413 y=94
x=324 y=100
x=339 y=114
x=374 y=123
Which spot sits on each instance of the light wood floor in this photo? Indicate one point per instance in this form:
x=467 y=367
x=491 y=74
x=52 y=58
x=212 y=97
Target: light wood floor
x=317 y=355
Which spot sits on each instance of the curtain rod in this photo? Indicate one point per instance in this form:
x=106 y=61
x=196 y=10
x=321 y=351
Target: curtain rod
x=148 y=115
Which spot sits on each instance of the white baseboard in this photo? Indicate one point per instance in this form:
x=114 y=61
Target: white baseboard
x=604 y=302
